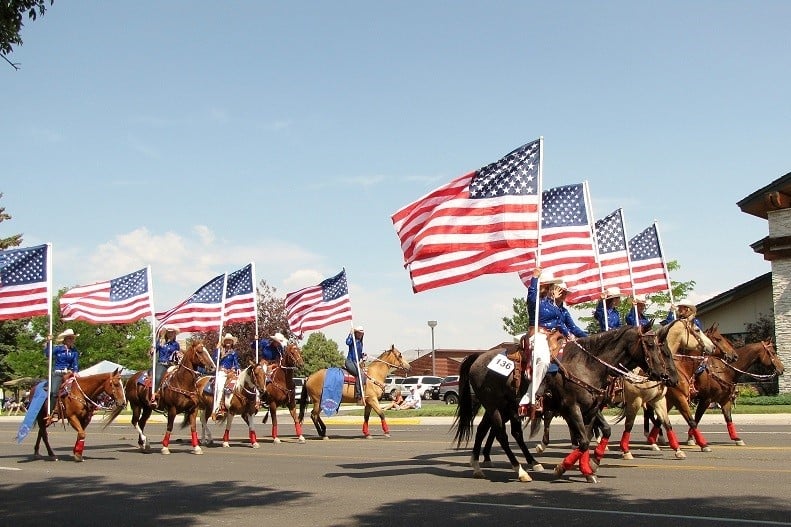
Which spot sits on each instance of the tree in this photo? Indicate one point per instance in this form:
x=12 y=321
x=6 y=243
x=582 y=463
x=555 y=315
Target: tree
x=320 y=352
x=9 y=329
x=761 y=329
x=518 y=324
x=12 y=15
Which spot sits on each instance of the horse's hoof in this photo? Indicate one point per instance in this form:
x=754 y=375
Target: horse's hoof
x=276 y=440
x=325 y=438
x=627 y=455
x=691 y=442
x=255 y=445
x=679 y=454
x=538 y=467
x=78 y=458
x=524 y=477
x=198 y=451
x=739 y=442
x=540 y=448
x=559 y=471
x=387 y=436
x=165 y=451
x=37 y=456
x=478 y=475
x=654 y=447
x=301 y=439
x=226 y=444
x=486 y=463
x=591 y=478
x=369 y=436
x=706 y=448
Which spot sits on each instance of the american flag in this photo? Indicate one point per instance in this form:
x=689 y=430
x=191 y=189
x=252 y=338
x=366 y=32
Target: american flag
x=481 y=223
x=200 y=312
x=118 y=301
x=648 y=266
x=24 y=283
x=566 y=233
x=613 y=262
x=318 y=306
x=240 y=296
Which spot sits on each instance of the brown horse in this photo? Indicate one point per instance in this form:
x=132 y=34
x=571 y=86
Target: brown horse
x=717 y=383
x=280 y=389
x=78 y=400
x=375 y=371
x=680 y=335
x=244 y=402
x=178 y=394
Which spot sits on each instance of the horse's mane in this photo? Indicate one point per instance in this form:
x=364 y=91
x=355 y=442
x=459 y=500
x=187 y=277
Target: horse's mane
x=599 y=340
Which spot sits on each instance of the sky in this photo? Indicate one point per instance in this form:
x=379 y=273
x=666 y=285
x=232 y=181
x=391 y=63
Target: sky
x=197 y=138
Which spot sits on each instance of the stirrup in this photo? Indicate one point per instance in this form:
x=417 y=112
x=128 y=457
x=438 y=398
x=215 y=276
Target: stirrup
x=524 y=410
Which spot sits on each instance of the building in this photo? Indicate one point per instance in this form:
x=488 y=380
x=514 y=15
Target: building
x=773 y=203
x=735 y=308
x=446 y=361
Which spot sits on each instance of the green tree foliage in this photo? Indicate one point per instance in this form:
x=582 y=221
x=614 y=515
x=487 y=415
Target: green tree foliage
x=12 y=16
x=320 y=352
x=15 y=240
x=656 y=307
x=9 y=329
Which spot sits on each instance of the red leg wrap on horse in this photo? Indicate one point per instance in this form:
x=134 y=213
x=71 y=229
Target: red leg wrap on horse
x=585 y=463
x=365 y=428
x=298 y=428
x=599 y=452
x=625 y=441
x=385 y=427
x=652 y=437
x=194 y=439
x=79 y=446
x=571 y=459
x=274 y=430
x=253 y=437
x=699 y=439
x=732 y=431
x=166 y=439
x=672 y=439
x=226 y=435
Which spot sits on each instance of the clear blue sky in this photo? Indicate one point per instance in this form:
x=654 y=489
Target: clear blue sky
x=198 y=136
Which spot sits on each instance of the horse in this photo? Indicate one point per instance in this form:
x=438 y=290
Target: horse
x=244 y=402
x=280 y=390
x=78 y=400
x=375 y=373
x=681 y=334
x=575 y=392
x=178 y=394
x=717 y=383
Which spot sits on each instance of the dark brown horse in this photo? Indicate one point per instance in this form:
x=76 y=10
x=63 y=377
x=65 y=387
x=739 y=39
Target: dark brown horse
x=280 y=389
x=78 y=400
x=717 y=382
x=375 y=372
x=178 y=394
x=575 y=392
x=244 y=402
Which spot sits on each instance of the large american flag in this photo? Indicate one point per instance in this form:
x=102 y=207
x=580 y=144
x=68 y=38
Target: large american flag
x=318 y=306
x=240 y=296
x=481 y=223
x=121 y=300
x=25 y=289
x=202 y=311
x=648 y=265
x=566 y=233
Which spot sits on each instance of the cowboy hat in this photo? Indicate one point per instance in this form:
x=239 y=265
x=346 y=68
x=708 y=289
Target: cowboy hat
x=687 y=304
x=640 y=299
x=548 y=278
x=170 y=328
x=359 y=329
x=280 y=338
x=612 y=292
x=228 y=336
x=68 y=333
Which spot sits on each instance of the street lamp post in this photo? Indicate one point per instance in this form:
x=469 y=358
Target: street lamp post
x=432 y=324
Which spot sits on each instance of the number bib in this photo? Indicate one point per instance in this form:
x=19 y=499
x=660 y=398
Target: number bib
x=502 y=365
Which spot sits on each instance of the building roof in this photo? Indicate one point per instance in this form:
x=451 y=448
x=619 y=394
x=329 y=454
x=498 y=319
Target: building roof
x=775 y=195
x=740 y=291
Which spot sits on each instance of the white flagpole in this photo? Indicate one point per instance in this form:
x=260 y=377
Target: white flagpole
x=219 y=333
x=538 y=248
x=255 y=297
x=354 y=342
x=593 y=231
x=631 y=274
x=664 y=263
x=49 y=315
x=154 y=356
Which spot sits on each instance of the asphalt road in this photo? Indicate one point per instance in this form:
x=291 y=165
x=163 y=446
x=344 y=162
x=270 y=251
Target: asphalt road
x=415 y=478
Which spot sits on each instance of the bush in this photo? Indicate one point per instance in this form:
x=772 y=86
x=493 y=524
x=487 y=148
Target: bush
x=746 y=391
x=764 y=400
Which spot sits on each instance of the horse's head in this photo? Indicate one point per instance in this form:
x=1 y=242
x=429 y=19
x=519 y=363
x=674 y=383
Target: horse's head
x=723 y=345
x=683 y=334
x=114 y=387
x=197 y=355
x=769 y=357
x=395 y=359
x=658 y=358
x=256 y=375
x=292 y=357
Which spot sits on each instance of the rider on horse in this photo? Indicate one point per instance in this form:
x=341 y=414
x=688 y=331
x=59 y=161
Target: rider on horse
x=65 y=360
x=356 y=354
x=167 y=351
x=227 y=373
x=271 y=350
x=606 y=313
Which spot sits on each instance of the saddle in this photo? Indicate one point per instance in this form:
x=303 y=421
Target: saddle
x=522 y=356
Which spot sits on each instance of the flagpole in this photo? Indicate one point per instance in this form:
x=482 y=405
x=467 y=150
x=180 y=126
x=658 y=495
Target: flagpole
x=354 y=342
x=255 y=299
x=540 y=201
x=49 y=316
x=219 y=332
x=595 y=237
x=153 y=330
x=631 y=274
x=664 y=264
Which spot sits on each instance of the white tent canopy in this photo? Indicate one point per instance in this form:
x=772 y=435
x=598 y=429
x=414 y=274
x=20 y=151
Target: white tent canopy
x=105 y=366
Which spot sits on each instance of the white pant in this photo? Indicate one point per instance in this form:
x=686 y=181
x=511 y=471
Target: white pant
x=540 y=365
x=219 y=390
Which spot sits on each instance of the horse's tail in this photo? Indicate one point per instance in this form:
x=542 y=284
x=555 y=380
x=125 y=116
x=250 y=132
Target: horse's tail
x=467 y=409
x=266 y=417
x=109 y=418
x=303 y=400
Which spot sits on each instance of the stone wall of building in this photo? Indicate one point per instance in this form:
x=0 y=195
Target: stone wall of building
x=780 y=225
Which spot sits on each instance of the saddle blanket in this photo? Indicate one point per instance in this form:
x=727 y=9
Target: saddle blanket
x=40 y=393
x=332 y=393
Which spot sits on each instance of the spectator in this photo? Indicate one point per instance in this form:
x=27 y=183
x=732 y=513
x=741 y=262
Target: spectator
x=412 y=401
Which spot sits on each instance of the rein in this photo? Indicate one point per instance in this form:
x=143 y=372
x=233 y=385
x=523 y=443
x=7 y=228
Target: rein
x=109 y=399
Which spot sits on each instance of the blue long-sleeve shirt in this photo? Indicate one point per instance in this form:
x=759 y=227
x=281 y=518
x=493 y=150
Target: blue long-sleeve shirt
x=269 y=350
x=166 y=351
x=630 y=319
x=613 y=316
x=550 y=315
x=230 y=361
x=64 y=358
x=672 y=316
x=352 y=343
x=568 y=321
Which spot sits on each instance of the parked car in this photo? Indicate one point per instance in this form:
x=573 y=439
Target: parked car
x=448 y=390
x=392 y=386
x=424 y=384
x=299 y=383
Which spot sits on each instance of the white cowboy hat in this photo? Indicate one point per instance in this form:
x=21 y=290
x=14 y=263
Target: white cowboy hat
x=688 y=304
x=548 y=278
x=612 y=292
x=359 y=329
x=280 y=338
x=170 y=328
x=68 y=333
x=640 y=299
x=228 y=336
